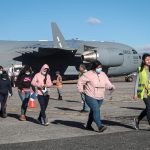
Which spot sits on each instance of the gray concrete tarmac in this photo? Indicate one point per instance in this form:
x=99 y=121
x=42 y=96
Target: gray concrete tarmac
x=67 y=123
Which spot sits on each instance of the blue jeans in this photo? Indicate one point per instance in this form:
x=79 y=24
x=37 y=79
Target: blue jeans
x=94 y=114
x=146 y=111
x=85 y=106
x=25 y=99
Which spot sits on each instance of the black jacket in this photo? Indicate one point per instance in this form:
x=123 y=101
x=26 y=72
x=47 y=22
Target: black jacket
x=24 y=81
x=5 y=86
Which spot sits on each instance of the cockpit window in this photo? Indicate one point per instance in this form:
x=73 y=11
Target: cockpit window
x=134 y=51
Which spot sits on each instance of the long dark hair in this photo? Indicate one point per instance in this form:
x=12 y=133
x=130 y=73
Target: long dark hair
x=25 y=69
x=95 y=65
x=143 y=61
x=45 y=79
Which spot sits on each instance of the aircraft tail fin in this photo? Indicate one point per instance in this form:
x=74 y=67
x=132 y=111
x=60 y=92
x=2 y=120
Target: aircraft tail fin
x=58 y=38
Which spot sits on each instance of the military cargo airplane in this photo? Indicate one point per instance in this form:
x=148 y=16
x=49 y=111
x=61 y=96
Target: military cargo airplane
x=66 y=56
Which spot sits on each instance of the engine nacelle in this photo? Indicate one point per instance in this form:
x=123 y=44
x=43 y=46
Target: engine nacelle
x=108 y=57
x=89 y=56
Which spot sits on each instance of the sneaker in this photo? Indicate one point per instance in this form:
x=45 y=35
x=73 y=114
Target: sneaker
x=102 y=129
x=39 y=120
x=89 y=128
x=136 y=124
x=22 y=118
x=4 y=115
x=46 y=123
x=60 y=98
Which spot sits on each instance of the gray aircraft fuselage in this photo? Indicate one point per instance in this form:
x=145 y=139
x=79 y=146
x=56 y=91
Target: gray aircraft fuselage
x=68 y=65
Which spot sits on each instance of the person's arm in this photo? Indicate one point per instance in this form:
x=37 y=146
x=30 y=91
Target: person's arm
x=49 y=82
x=81 y=83
x=34 y=82
x=108 y=84
x=10 y=87
x=60 y=78
x=136 y=84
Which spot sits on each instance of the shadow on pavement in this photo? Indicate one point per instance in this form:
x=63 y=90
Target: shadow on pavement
x=16 y=116
x=69 y=123
x=81 y=125
x=134 y=108
x=55 y=99
x=71 y=101
x=66 y=109
x=115 y=123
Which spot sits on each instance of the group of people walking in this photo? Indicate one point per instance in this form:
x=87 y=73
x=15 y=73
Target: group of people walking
x=91 y=85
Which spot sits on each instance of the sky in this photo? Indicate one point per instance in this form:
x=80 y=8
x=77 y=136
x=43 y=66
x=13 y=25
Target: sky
x=124 y=21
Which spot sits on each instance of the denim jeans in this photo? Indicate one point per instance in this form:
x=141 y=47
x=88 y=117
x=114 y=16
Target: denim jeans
x=146 y=111
x=94 y=114
x=85 y=106
x=25 y=100
x=43 y=101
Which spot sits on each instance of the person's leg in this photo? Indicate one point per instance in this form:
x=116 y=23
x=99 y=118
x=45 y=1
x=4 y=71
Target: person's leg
x=140 y=117
x=25 y=103
x=46 y=101
x=85 y=106
x=59 y=91
x=3 y=106
x=43 y=101
x=94 y=106
x=90 y=119
x=147 y=103
x=42 y=105
x=1 y=99
x=27 y=98
x=21 y=95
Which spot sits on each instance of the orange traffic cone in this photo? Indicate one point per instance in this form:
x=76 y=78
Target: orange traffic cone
x=32 y=103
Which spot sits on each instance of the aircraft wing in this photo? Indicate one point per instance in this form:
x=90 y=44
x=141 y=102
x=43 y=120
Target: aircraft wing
x=42 y=52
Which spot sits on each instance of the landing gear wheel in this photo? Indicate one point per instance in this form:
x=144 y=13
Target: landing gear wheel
x=128 y=79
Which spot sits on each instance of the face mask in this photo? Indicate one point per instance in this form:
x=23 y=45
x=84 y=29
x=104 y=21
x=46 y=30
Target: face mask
x=98 y=70
x=4 y=76
x=44 y=73
x=1 y=72
x=27 y=73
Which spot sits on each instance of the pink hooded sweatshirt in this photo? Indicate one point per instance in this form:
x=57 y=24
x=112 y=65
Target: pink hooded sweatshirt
x=94 y=85
x=38 y=80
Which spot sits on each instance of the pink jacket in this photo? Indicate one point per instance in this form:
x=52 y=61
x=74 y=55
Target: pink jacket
x=94 y=85
x=38 y=80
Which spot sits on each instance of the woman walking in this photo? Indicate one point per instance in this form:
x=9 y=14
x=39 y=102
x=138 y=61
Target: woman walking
x=24 y=89
x=41 y=82
x=93 y=84
x=142 y=89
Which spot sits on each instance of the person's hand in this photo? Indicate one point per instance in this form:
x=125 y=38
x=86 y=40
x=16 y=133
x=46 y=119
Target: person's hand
x=135 y=97
x=112 y=88
x=10 y=94
x=23 y=92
